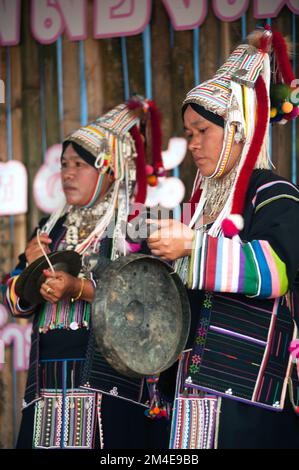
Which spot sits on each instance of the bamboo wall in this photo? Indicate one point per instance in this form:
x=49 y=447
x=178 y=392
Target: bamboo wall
x=36 y=123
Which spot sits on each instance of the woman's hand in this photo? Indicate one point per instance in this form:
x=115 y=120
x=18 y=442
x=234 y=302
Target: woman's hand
x=171 y=241
x=61 y=285
x=33 y=251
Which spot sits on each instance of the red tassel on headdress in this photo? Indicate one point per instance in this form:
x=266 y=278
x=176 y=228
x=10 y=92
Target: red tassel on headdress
x=134 y=104
x=156 y=132
x=282 y=57
x=156 y=136
x=228 y=226
x=140 y=166
x=266 y=39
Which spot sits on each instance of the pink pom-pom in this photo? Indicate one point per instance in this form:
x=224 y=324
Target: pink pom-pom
x=133 y=247
x=149 y=170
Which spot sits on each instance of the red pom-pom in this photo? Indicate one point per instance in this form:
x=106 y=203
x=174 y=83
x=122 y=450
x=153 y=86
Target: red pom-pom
x=229 y=229
x=232 y=225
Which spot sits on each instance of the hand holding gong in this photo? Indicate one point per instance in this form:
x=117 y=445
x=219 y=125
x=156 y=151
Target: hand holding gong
x=172 y=240
x=59 y=285
x=28 y=284
x=33 y=250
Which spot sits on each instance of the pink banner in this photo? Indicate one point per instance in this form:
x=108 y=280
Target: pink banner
x=16 y=336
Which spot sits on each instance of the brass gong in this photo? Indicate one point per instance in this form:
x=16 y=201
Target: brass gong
x=141 y=315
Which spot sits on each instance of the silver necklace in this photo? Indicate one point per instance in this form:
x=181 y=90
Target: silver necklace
x=81 y=221
x=218 y=190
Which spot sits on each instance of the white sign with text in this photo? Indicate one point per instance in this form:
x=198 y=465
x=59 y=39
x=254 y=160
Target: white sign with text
x=13 y=188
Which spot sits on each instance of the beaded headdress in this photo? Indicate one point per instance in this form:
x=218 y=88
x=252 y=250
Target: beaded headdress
x=115 y=143
x=239 y=94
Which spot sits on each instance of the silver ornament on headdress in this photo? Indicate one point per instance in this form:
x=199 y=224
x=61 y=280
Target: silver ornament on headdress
x=104 y=151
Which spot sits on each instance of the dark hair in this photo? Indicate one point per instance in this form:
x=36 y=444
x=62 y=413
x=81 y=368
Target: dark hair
x=215 y=118
x=84 y=154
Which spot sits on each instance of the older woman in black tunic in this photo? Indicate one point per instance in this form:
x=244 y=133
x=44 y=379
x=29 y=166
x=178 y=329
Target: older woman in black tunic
x=73 y=398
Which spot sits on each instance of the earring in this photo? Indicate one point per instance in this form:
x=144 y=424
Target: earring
x=100 y=160
x=238 y=137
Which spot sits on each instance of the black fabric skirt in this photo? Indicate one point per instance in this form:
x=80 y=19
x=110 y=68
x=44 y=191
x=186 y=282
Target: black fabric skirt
x=243 y=426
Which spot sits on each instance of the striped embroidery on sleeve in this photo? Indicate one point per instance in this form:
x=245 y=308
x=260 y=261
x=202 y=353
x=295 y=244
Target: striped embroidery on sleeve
x=225 y=265
x=12 y=301
x=281 y=186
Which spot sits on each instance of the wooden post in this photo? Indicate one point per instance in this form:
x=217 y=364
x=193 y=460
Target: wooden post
x=112 y=72
x=161 y=68
x=71 y=86
x=49 y=63
x=250 y=20
x=225 y=29
x=231 y=37
x=3 y=113
x=182 y=81
x=282 y=134
x=209 y=46
x=20 y=235
x=94 y=71
x=136 y=64
x=31 y=115
x=6 y=411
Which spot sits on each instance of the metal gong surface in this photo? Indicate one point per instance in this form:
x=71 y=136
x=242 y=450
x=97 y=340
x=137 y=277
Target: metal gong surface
x=141 y=315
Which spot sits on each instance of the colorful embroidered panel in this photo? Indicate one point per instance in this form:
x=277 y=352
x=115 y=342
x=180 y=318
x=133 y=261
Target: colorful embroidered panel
x=64 y=314
x=243 y=353
x=195 y=414
x=194 y=423
x=65 y=420
x=224 y=265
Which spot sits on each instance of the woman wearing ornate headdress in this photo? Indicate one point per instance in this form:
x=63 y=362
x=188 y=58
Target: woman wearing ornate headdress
x=237 y=252
x=73 y=398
